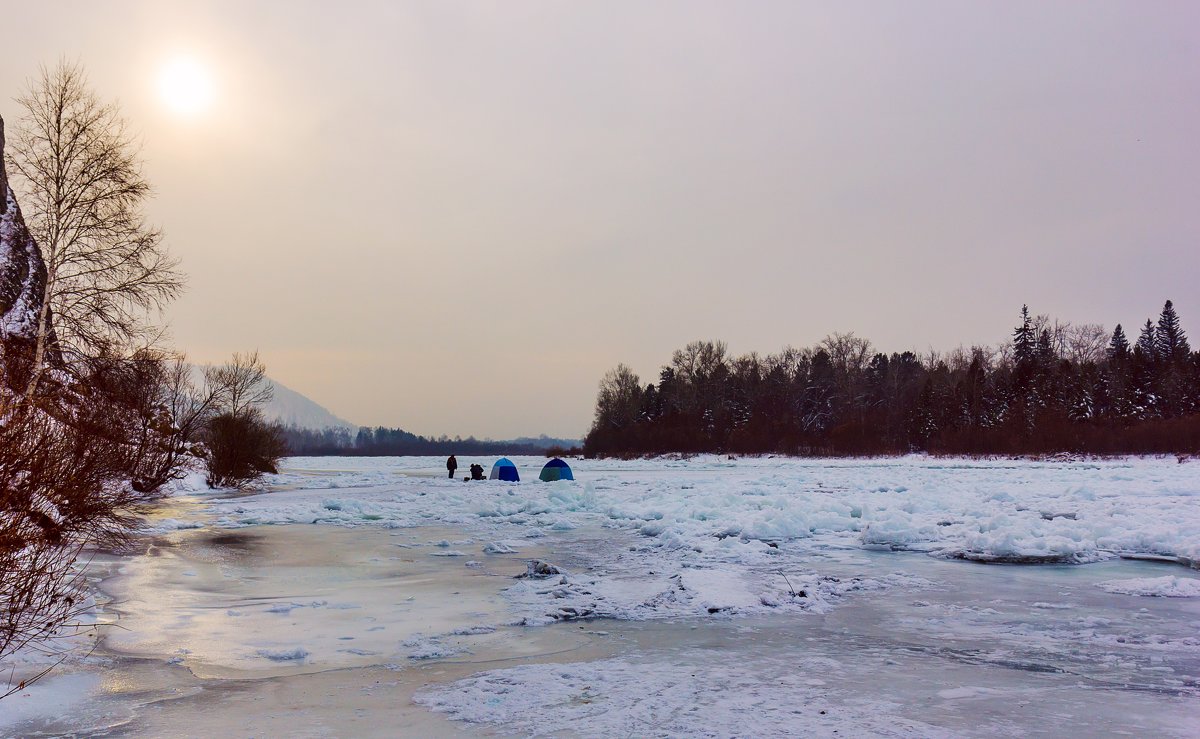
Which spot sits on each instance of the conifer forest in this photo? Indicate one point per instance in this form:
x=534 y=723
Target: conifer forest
x=1054 y=388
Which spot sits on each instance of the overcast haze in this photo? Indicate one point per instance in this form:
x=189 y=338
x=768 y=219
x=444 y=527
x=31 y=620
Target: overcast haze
x=455 y=217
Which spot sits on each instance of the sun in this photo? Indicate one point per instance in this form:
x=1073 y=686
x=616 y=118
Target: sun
x=186 y=86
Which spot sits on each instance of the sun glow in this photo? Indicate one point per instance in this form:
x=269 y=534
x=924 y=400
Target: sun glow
x=186 y=86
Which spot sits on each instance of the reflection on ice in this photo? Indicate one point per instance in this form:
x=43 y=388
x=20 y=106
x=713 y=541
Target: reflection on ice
x=286 y=599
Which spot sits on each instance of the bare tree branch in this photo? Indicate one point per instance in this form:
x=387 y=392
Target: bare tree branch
x=78 y=171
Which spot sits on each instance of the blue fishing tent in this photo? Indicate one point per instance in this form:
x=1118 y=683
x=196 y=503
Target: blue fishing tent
x=504 y=469
x=556 y=469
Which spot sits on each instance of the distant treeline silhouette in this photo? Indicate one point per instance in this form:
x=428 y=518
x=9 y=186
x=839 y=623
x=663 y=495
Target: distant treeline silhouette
x=388 y=442
x=1054 y=388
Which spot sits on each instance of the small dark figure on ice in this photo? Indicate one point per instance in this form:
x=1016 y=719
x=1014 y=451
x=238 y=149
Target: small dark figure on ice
x=476 y=472
x=452 y=465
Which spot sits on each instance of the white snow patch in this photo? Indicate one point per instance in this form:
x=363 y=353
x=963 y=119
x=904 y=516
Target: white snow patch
x=284 y=655
x=719 y=589
x=1169 y=586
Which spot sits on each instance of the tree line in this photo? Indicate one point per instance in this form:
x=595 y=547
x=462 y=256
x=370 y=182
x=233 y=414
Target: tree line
x=394 y=442
x=1055 y=387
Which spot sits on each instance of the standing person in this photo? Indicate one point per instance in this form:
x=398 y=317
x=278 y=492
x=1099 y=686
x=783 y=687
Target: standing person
x=452 y=465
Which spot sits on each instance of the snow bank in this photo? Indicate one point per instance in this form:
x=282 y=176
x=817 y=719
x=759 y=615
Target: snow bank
x=1167 y=587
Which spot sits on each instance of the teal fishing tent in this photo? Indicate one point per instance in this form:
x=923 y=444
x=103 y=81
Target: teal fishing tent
x=505 y=470
x=556 y=469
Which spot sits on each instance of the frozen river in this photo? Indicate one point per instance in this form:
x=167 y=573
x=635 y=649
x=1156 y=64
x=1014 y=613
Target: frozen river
x=705 y=597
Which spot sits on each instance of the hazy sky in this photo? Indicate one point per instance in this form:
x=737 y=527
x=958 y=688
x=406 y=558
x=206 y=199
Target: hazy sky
x=455 y=217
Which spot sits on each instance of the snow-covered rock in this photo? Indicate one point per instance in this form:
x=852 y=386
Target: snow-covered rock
x=538 y=569
x=22 y=271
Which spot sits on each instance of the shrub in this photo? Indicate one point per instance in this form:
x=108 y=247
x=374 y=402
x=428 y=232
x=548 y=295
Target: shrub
x=241 y=447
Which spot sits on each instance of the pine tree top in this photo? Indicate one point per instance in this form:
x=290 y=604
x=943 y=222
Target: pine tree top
x=1146 y=341
x=1118 y=346
x=1170 y=341
x=1024 y=338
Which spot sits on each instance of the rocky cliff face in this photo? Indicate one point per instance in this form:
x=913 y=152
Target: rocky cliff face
x=22 y=271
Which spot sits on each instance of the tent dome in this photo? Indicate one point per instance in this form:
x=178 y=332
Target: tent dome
x=556 y=469
x=504 y=469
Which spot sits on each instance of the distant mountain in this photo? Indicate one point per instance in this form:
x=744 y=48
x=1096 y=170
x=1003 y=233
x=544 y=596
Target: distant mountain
x=293 y=409
x=385 y=442
x=544 y=442
x=301 y=413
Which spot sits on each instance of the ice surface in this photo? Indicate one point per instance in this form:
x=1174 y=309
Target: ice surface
x=706 y=597
x=990 y=509
x=629 y=697
x=53 y=695
x=728 y=535
x=281 y=599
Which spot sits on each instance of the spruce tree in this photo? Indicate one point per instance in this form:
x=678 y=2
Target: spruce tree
x=1118 y=346
x=1170 y=342
x=1024 y=339
x=1119 y=380
x=1147 y=342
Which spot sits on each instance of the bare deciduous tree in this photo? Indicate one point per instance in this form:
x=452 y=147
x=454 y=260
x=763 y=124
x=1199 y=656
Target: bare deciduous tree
x=696 y=365
x=241 y=444
x=80 y=179
x=1086 y=342
x=174 y=414
x=847 y=352
x=70 y=442
x=185 y=417
x=242 y=382
x=65 y=459
x=619 y=398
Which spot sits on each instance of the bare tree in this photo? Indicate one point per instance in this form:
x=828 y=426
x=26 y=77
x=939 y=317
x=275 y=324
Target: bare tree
x=618 y=401
x=1058 y=331
x=78 y=170
x=849 y=355
x=43 y=598
x=71 y=441
x=242 y=383
x=696 y=366
x=65 y=460
x=847 y=352
x=215 y=417
x=175 y=412
x=699 y=360
x=1086 y=342
x=959 y=358
x=241 y=444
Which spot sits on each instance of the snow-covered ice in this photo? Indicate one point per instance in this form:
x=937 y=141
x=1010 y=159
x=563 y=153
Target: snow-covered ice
x=1168 y=586
x=706 y=596
x=624 y=697
x=992 y=510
